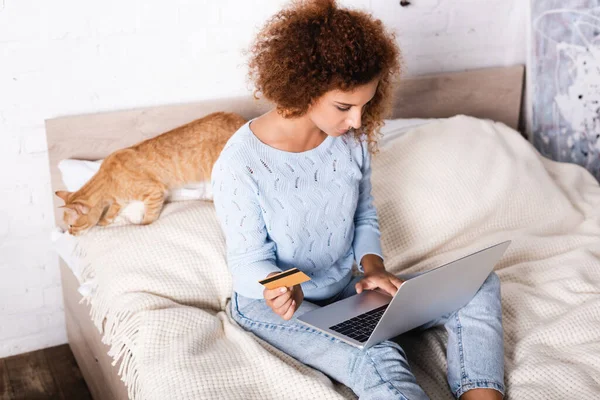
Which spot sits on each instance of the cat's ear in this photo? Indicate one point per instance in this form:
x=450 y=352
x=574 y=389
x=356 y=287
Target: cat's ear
x=63 y=194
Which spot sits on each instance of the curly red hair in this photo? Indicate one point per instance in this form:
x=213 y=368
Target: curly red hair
x=312 y=47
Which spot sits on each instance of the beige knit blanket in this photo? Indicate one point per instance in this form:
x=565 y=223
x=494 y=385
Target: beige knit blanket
x=442 y=190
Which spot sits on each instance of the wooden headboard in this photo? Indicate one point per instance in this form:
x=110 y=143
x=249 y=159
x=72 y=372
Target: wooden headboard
x=493 y=93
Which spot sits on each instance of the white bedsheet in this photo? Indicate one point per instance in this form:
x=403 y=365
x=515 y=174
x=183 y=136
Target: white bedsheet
x=441 y=190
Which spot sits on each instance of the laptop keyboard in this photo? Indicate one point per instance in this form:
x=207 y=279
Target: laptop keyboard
x=360 y=327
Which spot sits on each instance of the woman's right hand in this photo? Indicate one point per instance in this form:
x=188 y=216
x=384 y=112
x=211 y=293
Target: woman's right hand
x=284 y=303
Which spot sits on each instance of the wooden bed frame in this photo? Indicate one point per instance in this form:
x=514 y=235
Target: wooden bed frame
x=494 y=93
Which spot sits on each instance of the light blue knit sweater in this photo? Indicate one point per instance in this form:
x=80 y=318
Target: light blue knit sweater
x=311 y=210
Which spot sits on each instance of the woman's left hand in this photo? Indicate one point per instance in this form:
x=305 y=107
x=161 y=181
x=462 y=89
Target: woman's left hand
x=380 y=278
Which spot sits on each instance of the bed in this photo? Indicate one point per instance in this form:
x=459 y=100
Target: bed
x=480 y=97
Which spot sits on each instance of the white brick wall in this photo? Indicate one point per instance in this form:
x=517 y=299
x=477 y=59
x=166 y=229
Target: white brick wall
x=66 y=57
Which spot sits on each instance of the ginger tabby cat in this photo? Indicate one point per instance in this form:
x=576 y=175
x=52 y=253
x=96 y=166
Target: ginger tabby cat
x=148 y=170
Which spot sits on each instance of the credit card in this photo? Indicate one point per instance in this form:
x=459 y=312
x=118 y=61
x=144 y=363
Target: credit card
x=286 y=278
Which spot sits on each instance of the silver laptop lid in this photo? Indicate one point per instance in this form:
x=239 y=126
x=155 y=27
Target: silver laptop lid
x=436 y=292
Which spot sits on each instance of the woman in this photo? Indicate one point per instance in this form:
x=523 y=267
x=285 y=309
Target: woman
x=292 y=189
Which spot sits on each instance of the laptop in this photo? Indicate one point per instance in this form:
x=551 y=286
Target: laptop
x=366 y=319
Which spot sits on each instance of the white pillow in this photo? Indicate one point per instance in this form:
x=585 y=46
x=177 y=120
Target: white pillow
x=394 y=128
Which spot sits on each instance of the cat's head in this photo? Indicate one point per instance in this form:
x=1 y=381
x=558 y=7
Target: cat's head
x=76 y=213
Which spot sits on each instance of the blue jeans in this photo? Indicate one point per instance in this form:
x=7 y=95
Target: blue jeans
x=475 y=351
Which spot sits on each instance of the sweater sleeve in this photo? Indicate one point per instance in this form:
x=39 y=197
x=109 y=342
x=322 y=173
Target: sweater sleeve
x=250 y=253
x=366 y=231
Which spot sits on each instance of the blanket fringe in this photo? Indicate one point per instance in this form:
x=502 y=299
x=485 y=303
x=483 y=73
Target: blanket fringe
x=119 y=330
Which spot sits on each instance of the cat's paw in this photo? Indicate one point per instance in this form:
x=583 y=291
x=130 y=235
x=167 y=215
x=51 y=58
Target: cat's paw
x=105 y=221
x=133 y=213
